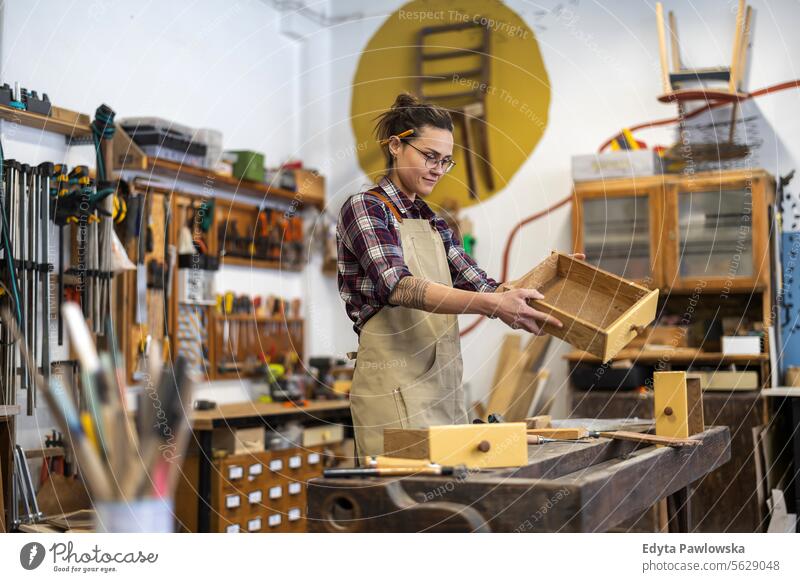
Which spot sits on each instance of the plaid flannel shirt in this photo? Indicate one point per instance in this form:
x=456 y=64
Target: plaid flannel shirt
x=370 y=258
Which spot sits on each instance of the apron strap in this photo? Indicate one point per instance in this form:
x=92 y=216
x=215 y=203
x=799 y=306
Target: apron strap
x=388 y=203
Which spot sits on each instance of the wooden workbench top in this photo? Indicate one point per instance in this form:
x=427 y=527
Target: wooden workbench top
x=577 y=487
x=208 y=419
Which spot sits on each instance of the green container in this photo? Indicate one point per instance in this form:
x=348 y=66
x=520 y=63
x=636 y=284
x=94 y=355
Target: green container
x=249 y=166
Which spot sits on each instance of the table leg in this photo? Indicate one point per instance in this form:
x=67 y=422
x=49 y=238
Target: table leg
x=204 y=482
x=679 y=511
x=796 y=455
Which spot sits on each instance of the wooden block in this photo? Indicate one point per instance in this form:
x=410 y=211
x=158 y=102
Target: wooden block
x=724 y=380
x=323 y=434
x=541 y=421
x=600 y=312
x=384 y=461
x=560 y=433
x=678 y=403
x=474 y=445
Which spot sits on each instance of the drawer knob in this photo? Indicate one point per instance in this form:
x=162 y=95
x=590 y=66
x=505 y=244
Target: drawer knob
x=668 y=411
x=484 y=446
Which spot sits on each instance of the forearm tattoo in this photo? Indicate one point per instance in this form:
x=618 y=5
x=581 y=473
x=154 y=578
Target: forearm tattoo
x=410 y=292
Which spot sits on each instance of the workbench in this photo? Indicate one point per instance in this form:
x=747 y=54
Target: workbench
x=251 y=414
x=565 y=487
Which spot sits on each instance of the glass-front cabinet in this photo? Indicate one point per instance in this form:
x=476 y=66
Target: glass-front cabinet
x=678 y=232
x=619 y=230
x=718 y=232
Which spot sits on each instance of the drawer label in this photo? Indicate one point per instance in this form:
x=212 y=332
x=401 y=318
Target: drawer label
x=294 y=514
x=276 y=464
x=254 y=524
x=313 y=458
x=275 y=492
x=295 y=488
x=255 y=469
x=232 y=501
x=295 y=462
x=254 y=496
x=235 y=472
x=233 y=528
x=274 y=520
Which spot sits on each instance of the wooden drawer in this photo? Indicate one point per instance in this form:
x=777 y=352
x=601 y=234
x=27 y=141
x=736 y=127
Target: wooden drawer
x=474 y=445
x=600 y=312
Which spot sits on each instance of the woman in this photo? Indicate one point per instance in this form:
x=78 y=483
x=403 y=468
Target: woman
x=404 y=278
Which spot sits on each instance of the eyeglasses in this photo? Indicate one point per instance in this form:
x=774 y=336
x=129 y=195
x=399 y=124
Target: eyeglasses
x=431 y=161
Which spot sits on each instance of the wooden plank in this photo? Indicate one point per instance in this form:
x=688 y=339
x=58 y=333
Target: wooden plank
x=560 y=433
x=738 y=38
x=662 y=48
x=638 y=437
x=673 y=40
x=76 y=128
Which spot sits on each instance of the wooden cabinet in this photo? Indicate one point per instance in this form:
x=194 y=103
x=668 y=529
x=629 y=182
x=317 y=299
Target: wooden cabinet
x=679 y=232
x=618 y=226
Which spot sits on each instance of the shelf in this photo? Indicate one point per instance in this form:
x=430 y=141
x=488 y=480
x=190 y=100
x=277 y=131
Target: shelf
x=70 y=129
x=258 y=264
x=670 y=356
x=256 y=318
x=128 y=156
x=8 y=411
x=225 y=414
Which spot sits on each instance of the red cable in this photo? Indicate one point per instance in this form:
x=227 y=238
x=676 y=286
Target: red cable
x=707 y=107
x=507 y=250
x=648 y=124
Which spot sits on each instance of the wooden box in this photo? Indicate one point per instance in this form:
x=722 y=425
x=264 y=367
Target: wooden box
x=239 y=441
x=678 y=404
x=473 y=445
x=601 y=312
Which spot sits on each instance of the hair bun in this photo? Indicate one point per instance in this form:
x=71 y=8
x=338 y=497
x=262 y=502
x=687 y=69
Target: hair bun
x=404 y=100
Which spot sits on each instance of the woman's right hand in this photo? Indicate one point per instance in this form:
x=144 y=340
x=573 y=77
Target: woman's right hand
x=512 y=308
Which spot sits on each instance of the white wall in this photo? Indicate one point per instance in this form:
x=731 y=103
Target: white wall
x=602 y=60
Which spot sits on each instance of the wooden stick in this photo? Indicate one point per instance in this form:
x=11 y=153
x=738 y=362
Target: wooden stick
x=733 y=80
x=673 y=38
x=650 y=439
x=662 y=48
x=559 y=433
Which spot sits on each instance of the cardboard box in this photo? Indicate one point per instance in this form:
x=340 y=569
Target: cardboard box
x=241 y=441
x=741 y=345
x=614 y=165
x=600 y=311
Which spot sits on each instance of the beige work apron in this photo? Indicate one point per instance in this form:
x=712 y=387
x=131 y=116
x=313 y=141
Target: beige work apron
x=408 y=370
